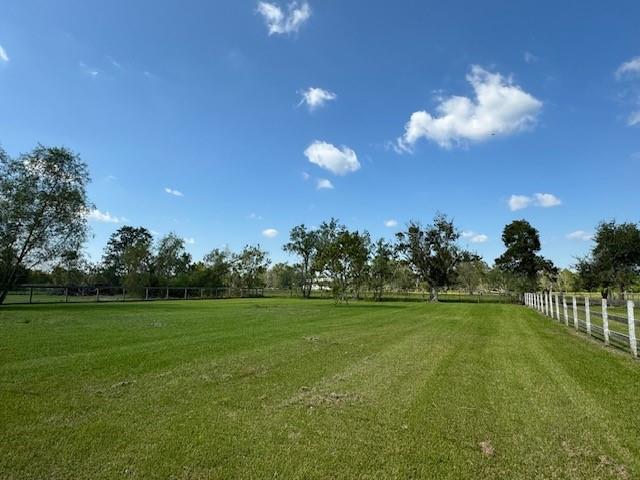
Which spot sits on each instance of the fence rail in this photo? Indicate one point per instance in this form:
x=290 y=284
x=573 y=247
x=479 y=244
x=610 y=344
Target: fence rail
x=47 y=294
x=615 y=325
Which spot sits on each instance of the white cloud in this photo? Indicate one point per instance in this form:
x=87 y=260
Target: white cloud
x=544 y=200
x=279 y=22
x=580 y=235
x=324 y=184
x=3 y=54
x=270 y=233
x=391 y=223
x=189 y=240
x=500 y=107
x=316 y=97
x=305 y=176
x=254 y=216
x=339 y=161
x=474 y=237
x=175 y=193
x=102 y=217
x=530 y=57
x=632 y=67
x=518 y=202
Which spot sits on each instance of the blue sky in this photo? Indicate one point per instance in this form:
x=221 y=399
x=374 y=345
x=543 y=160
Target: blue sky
x=221 y=120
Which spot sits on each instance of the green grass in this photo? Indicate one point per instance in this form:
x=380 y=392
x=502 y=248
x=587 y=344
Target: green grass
x=279 y=388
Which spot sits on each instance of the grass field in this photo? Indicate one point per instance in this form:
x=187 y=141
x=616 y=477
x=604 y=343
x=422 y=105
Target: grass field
x=285 y=388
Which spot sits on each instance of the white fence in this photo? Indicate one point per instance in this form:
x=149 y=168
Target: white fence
x=614 y=325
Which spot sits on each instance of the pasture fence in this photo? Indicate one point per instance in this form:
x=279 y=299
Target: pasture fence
x=49 y=294
x=610 y=321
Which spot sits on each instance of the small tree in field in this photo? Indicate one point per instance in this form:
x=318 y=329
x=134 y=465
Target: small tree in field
x=43 y=207
x=382 y=267
x=303 y=242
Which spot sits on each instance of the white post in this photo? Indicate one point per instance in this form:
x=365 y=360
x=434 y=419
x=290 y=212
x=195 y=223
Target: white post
x=576 y=321
x=565 y=311
x=587 y=315
x=633 y=345
x=557 y=308
x=605 y=321
x=546 y=303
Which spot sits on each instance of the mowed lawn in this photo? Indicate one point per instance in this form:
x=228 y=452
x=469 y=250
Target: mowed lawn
x=285 y=388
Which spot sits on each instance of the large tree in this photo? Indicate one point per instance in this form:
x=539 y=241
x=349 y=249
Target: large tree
x=128 y=258
x=342 y=258
x=614 y=260
x=303 y=242
x=214 y=269
x=250 y=266
x=43 y=206
x=433 y=252
x=521 y=259
x=172 y=258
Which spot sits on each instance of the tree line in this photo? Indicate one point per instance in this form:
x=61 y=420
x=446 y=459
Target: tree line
x=43 y=226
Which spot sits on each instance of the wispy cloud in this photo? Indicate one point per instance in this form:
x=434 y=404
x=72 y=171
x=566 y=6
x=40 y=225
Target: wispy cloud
x=530 y=57
x=544 y=200
x=338 y=160
x=324 y=184
x=316 y=97
x=580 y=235
x=189 y=240
x=254 y=216
x=305 y=176
x=89 y=71
x=175 y=193
x=102 y=217
x=391 y=223
x=630 y=68
x=3 y=55
x=474 y=237
x=270 y=233
x=279 y=21
x=499 y=108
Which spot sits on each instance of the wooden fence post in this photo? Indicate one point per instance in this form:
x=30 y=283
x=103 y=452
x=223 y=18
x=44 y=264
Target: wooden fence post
x=166 y=295
x=124 y=294
x=587 y=315
x=557 y=308
x=547 y=303
x=633 y=345
x=66 y=294
x=565 y=311
x=576 y=321
x=146 y=293
x=30 y=294
x=605 y=321
x=185 y=293
x=97 y=294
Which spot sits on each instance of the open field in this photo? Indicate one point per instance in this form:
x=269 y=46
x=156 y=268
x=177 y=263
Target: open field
x=285 y=388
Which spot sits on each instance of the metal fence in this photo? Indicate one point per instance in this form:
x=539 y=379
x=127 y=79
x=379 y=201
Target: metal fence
x=612 y=322
x=45 y=294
